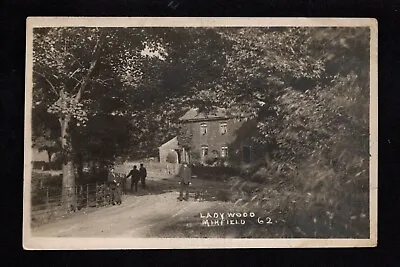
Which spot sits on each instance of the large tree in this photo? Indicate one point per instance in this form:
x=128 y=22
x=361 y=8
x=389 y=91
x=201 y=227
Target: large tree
x=87 y=79
x=80 y=73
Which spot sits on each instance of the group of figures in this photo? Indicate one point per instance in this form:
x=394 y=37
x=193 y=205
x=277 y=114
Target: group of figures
x=136 y=175
x=117 y=185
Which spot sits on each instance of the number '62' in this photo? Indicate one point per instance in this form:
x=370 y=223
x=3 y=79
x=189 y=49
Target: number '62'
x=267 y=220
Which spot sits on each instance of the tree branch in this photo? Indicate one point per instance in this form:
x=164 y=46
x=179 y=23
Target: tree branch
x=100 y=81
x=75 y=58
x=72 y=75
x=77 y=84
x=47 y=80
x=93 y=64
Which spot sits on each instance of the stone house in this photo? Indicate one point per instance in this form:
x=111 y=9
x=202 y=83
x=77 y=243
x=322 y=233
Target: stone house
x=216 y=135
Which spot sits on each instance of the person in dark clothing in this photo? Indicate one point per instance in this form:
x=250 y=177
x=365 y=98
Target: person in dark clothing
x=143 y=175
x=115 y=181
x=185 y=175
x=135 y=177
x=116 y=192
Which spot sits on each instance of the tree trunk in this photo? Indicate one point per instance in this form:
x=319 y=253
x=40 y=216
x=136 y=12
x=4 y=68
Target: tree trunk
x=68 y=182
x=68 y=192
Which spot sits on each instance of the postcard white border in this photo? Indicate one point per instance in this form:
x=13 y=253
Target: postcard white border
x=38 y=243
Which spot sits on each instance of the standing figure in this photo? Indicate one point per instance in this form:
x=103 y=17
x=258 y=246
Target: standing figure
x=143 y=175
x=135 y=176
x=116 y=192
x=111 y=175
x=185 y=175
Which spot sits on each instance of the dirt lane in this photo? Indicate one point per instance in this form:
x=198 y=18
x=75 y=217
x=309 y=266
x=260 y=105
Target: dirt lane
x=141 y=215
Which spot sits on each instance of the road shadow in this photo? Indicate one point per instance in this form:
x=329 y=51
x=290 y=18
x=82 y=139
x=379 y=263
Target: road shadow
x=154 y=188
x=199 y=190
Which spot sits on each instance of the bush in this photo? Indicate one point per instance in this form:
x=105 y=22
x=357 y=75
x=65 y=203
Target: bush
x=214 y=172
x=321 y=198
x=211 y=161
x=261 y=175
x=171 y=157
x=194 y=157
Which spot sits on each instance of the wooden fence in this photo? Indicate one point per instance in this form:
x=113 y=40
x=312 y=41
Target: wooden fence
x=47 y=202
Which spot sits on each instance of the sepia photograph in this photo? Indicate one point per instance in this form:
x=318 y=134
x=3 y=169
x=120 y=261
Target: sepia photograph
x=200 y=133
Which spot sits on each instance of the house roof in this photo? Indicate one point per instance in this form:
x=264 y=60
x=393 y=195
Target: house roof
x=194 y=114
x=171 y=144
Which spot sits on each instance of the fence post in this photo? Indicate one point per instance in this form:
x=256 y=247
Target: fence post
x=47 y=197
x=101 y=190
x=80 y=195
x=104 y=194
x=96 y=195
x=87 y=195
x=76 y=196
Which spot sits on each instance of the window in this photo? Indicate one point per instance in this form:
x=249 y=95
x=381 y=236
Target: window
x=203 y=128
x=224 y=151
x=204 y=151
x=223 y=128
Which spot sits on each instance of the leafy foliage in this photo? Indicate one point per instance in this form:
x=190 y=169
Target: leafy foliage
x=120 y=91
x=185 y=136
x=316 y=116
